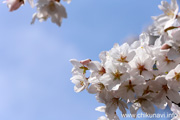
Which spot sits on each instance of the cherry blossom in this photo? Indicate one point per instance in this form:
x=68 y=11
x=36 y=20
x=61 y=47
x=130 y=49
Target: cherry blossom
x=80 y=81
x=143 y=74
x=45 y=9
x=49 y=8
x=14 y=4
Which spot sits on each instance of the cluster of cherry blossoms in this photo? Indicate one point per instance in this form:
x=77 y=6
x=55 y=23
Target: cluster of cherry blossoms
x=142 y=75
x=45 y=9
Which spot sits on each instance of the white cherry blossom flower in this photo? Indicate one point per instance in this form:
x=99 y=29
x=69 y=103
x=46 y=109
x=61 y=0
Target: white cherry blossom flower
x=145 y=73
x=112 y=104
x=122 y=54
x=130 y=88
x=163 y=62
x=111 y=107
x=114 y=76
x=104 y=96
x=80 y=67
x=164 y=91
x=80 y=81
x=170 y=10
x=49 y=8
x=170 y=13
x=174 y=76
x=142 y=64
x=144 y=103
x=96 y=86
x=97 y=71
x=165 y=22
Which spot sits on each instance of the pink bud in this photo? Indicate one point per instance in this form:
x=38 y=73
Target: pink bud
x=85 y=62
x=165 y=46
x=14 y=4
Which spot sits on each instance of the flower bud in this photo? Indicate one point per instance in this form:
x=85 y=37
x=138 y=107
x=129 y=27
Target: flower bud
x=14 y=4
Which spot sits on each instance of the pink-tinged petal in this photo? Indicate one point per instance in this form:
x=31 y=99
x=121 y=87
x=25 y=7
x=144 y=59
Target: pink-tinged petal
x=85 y=62
x=165 y=46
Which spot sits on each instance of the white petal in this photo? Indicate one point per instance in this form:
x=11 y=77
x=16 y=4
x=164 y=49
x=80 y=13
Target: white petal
x=68 y=1
x=101 y=108
x=174 y=96
x=147 y=107
x=134 y=108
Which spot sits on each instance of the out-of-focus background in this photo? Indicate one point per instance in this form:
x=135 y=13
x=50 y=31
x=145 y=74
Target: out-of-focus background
x=35 y=70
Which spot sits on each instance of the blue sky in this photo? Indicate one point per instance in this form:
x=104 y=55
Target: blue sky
x=34 y=65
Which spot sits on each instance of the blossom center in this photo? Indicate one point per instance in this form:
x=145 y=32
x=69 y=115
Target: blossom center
x=102 y=71
x=101 y=86
x=117 y=75
x=177 y=76
x=141 y=68
x=122 y=59
x=147 y=90
x=165 y=87
x=81 y=83
x=84 y=69
x=170 y=13
x=130 y=86
x=168 y=60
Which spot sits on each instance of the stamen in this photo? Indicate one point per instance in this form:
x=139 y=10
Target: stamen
x=168 y=60
x=81 y=83
x=122 y=59
x=102 y=71
x=141 y=68
x=177 y=76
x=117 y=75
x=130 y=86
x=165 y=87
x=147 y=91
